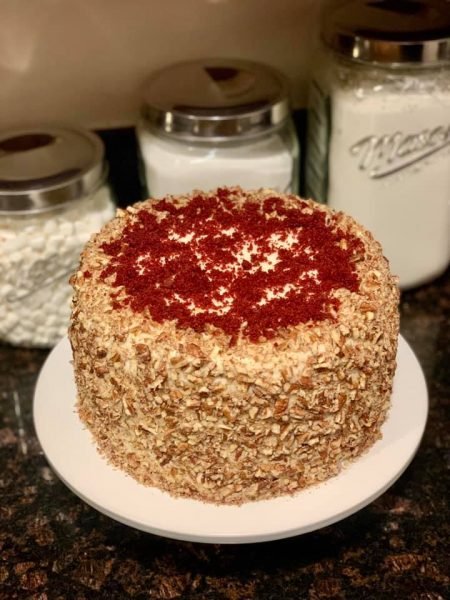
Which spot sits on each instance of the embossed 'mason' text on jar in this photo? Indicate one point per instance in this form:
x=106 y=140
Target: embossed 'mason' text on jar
x=53 y=196
x=378 y=143
x=382 y=155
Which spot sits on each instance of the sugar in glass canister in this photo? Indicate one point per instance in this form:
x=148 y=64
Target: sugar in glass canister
x=53 y=196
x=378 y=143
x=213 y=123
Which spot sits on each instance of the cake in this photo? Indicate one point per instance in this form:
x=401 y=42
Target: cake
x=234 y=345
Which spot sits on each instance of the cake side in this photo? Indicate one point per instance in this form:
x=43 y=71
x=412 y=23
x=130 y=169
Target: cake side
x=222 y=417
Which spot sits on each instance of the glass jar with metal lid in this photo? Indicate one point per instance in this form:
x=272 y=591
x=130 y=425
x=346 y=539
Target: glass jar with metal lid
x=53 y=196
x=378 y=143
x=217 y=122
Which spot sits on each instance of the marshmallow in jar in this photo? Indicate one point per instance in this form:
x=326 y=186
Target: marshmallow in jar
x=378 y=144
x=53 y=196
x=217 y=122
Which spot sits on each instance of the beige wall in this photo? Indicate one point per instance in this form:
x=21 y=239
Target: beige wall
x=83 y=61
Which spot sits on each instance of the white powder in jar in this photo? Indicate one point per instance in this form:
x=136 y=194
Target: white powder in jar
x=389 y=167
x=174 y=167
x=217 y=122
x=379 y=128
x=38 y=254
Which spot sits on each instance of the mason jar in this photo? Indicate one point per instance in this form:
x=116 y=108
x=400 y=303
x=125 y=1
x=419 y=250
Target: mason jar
x=212 y=123
x=53 y=196
x=378 y=141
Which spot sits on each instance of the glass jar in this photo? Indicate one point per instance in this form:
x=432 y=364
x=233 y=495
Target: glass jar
x=378 y=142
x=213 y=123
x=53 y=196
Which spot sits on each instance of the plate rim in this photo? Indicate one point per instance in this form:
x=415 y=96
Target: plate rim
x=62 y=352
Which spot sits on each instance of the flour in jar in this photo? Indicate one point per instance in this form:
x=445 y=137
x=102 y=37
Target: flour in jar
x=216 y=122
x=175 y=168
x=379 y=132
x=389 y=167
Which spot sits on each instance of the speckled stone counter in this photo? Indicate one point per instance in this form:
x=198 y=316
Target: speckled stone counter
x=54 y=546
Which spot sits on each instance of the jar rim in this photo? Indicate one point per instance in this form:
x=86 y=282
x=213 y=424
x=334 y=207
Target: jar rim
x=215 y=100
x=389 y=32
x=43 y=168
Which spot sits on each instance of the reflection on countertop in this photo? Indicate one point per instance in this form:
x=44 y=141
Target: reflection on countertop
x=52 y=545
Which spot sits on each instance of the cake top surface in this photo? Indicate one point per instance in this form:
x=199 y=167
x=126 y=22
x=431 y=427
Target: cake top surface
x=246 y=262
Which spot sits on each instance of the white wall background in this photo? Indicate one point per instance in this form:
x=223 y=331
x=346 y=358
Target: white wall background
x=84 y=61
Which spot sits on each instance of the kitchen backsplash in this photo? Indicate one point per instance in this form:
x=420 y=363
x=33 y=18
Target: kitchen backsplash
x=85 y=62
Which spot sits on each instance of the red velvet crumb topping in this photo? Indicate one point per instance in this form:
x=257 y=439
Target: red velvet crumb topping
x=247 y=270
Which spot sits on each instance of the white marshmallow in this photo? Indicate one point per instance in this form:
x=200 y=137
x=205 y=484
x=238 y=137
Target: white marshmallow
x=37 y=257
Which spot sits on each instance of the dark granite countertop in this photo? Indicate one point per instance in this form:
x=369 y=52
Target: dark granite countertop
x=54 y=546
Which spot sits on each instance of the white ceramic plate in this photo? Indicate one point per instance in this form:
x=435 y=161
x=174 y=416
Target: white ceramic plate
x=71 y=452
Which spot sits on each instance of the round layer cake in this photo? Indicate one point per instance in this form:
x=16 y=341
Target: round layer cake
x=234 y=345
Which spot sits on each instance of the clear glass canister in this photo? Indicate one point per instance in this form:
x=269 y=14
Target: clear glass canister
x=378 y=143
x=213 y=123
x=53 y=196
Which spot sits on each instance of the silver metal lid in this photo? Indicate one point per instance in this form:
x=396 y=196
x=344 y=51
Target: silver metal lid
x=44 y=168
x=215 y=100
x=394 y=32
